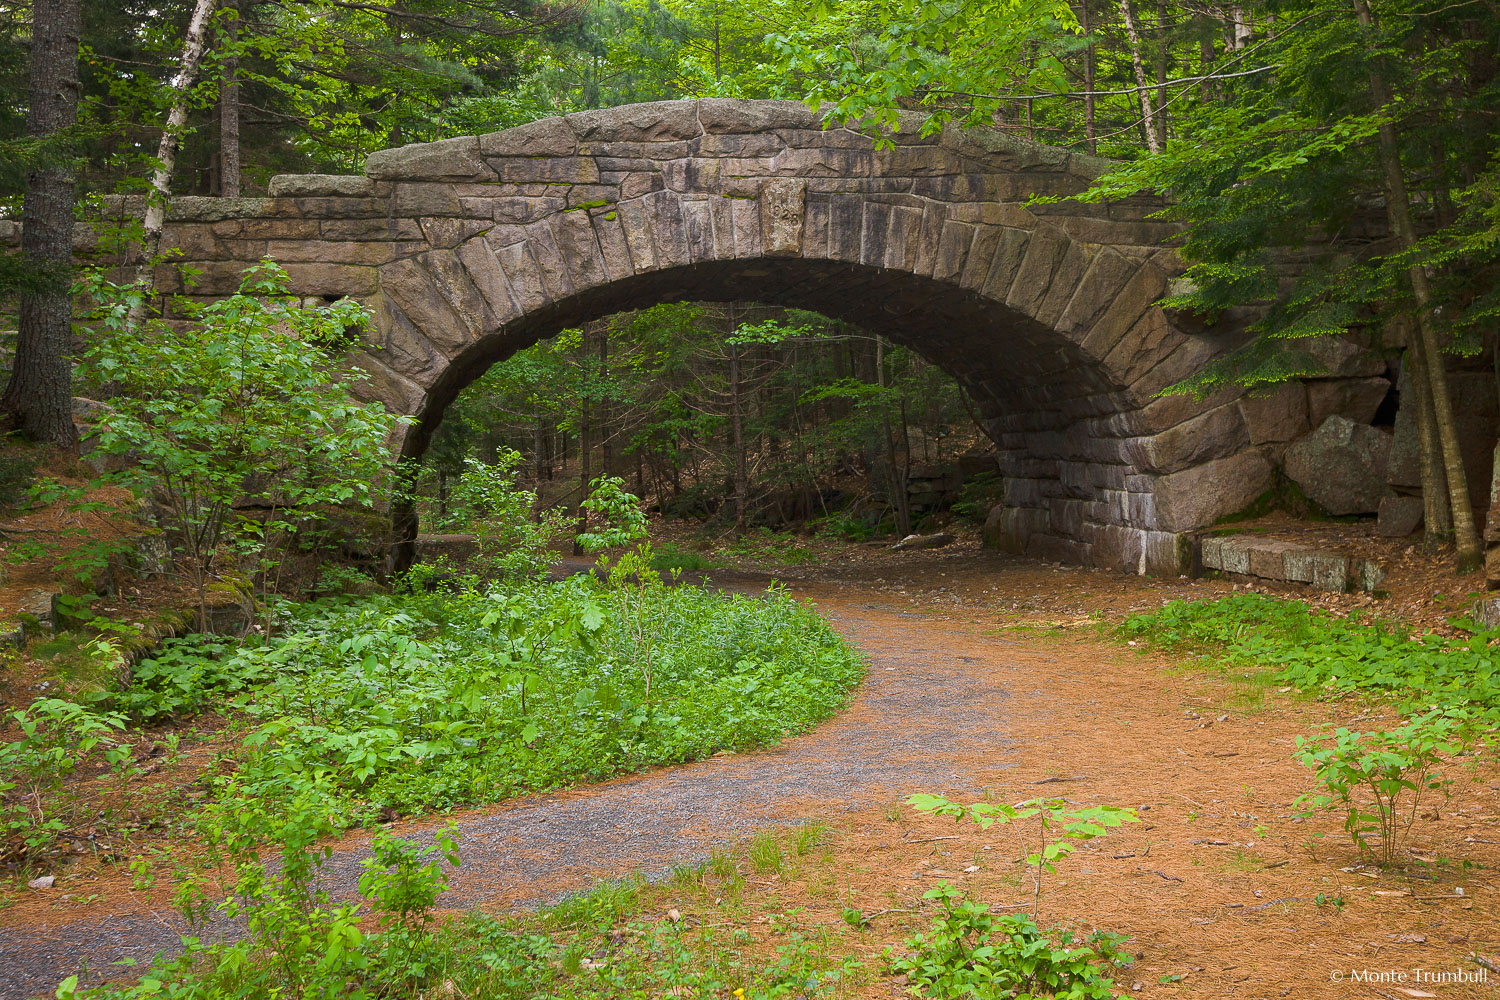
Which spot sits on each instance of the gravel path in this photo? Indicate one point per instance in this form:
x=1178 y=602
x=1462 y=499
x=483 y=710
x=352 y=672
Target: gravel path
x=928 y=705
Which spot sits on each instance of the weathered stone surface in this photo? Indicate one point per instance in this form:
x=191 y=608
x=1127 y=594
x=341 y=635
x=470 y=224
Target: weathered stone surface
x=1341 y=466
x=546 y=137
x=1354 y=398
x=1196 y=497
x=655 y=122
x=1343 y=359
x=1399 y=516
x=782 y=210
x=447 y=159
x=308 y=185
x=1275 y=416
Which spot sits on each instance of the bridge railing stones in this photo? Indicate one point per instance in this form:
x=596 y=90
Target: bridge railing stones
x=471 y=248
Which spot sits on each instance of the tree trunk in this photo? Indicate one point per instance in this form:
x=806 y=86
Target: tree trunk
x=1437 y=521
x=606 y=433
x=1161 y=74
x=737 y=430
x=585 y=434
x=229 y=115
x=1143 y=91
x=40 y=392
x=1088 y=78
x=1398 y=208
x=900 y=502
x=166 y=157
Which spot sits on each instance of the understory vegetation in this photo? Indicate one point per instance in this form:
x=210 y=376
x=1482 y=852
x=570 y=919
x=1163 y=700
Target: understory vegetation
x=416 y=702
x=1445 y=689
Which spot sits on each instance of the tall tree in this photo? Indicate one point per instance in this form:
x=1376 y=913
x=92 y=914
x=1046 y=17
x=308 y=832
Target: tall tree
x=154 y=225
x=39 y=395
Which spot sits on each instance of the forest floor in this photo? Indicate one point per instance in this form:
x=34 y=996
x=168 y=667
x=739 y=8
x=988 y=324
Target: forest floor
x=989 y=677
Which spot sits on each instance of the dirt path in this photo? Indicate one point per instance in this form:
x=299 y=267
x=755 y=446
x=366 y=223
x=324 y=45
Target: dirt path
x=1214 y=886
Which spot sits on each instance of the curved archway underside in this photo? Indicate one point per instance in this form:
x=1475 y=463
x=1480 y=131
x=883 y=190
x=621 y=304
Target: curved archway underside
x=470 y=249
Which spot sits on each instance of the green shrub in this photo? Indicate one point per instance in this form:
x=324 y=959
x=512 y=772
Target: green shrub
x=971 y=953
x=1378 y=778
x=415 y=702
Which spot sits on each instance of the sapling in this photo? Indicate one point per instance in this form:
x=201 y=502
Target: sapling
x=1059 y=827
x=1390 y=767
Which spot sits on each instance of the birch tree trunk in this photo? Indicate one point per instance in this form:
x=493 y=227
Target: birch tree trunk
x=166 y=156
x=1143 y=90
x=229 y=116
x=1398 y=209
x=40 y=392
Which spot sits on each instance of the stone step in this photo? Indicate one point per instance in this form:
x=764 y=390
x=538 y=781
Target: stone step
x=1288 y=562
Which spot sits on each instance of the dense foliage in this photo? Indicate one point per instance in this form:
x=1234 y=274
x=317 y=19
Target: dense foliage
x=418 y=702
x=757 y=415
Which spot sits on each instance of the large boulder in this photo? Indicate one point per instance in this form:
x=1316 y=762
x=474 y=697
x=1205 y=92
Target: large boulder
x=1341 y=466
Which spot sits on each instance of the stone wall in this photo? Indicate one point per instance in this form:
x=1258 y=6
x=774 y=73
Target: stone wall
x=471 y=248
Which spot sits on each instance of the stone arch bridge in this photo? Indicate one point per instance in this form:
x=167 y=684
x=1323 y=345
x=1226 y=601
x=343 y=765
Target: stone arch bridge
x=472 y=248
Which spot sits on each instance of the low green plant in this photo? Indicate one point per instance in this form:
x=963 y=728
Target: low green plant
x=1377 y=778
x=970 y=952
x=57 y=737
x=421 y=701
x=766 y=854
x=1320 y=652
x=1056 y=827
x=669 y=558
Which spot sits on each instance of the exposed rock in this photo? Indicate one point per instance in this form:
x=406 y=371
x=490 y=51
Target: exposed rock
x=1486 y=612
x=456 y=548
x=1354 y=398
x=454 y=159
x=1399 y=516
x=38 y=603
x=936 y=541
x=1276 y=416
x=321 y=186
x=1201 y=495
x=1343 y=359
x=45 y=882
x=1288 y=562
x=1341 y=466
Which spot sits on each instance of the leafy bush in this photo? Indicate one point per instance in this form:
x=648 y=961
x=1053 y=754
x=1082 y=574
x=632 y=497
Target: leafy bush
x=1060 y=826
x=973 y=954
x=57 y=737
x=232 y=421
x=511 y=540
x=423 y=701
x=1390 y=766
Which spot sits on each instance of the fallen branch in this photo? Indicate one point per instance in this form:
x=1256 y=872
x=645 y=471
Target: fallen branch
x=1169 y=878
x=1277 y=902
x=930 y=840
